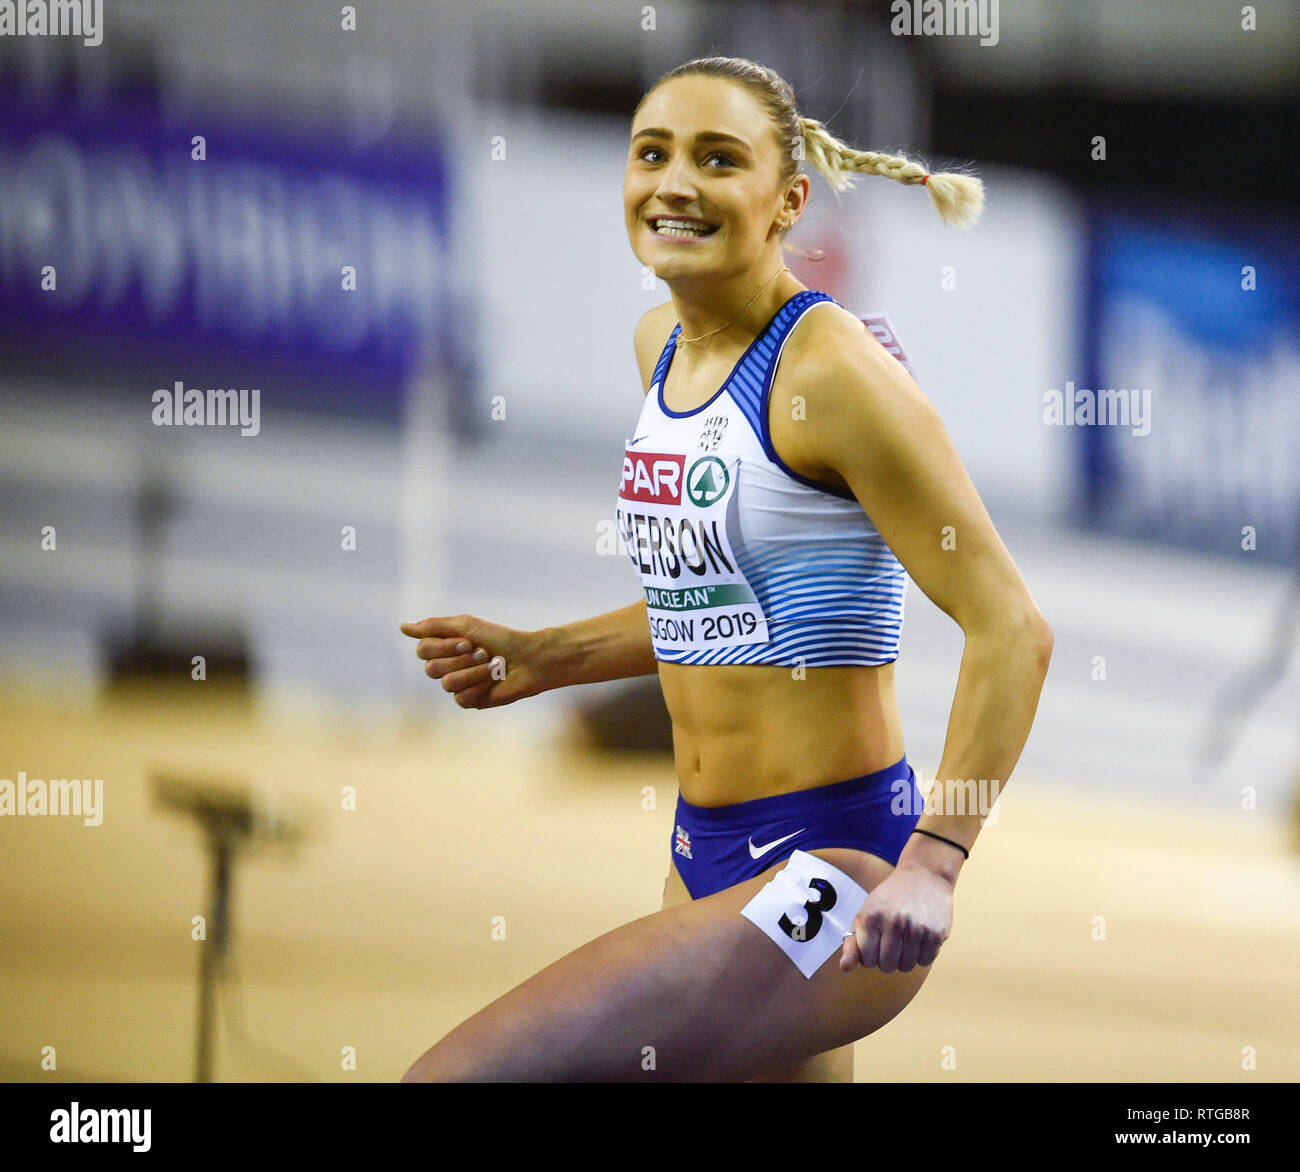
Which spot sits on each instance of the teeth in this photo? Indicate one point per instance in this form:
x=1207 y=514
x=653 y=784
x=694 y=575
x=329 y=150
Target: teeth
x=679 y=228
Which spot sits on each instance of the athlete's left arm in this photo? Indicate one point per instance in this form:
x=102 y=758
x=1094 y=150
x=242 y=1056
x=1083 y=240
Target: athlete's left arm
x=867 y=421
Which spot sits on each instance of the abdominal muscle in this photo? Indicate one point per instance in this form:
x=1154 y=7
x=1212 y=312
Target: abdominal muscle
x=743 y=731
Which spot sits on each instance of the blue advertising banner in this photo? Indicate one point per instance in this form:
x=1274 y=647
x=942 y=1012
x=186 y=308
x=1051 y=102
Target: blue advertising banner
x=213 y=253
x=1189 y=416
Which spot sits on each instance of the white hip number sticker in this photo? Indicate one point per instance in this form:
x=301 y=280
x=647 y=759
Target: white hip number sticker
x=806 y=909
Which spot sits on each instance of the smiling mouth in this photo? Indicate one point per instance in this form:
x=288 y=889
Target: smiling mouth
x=677 y=228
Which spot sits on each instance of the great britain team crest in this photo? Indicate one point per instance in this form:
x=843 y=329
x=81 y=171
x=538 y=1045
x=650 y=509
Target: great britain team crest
x=715 y=426
x=682 y=843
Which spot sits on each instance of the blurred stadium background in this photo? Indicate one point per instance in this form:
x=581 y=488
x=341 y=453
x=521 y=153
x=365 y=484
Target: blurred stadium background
x=1133 y=912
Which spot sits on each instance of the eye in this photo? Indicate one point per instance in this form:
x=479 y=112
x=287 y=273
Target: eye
x=726 y=158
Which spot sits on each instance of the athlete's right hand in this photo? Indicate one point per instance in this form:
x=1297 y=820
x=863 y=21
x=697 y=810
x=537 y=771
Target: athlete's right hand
x=482 y=664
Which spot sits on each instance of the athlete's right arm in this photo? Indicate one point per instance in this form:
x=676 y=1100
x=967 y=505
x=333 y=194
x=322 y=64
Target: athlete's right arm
x=487 y=665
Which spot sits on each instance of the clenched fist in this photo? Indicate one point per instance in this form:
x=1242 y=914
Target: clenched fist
x=482 y=664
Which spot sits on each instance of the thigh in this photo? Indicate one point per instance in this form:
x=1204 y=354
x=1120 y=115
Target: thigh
x=833 y=1066
x=693 y=992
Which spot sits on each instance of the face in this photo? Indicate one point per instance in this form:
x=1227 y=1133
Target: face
x=703 y=150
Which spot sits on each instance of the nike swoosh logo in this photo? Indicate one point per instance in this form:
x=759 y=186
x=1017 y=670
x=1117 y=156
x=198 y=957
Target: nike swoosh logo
x=757 y=851
x=637 y=440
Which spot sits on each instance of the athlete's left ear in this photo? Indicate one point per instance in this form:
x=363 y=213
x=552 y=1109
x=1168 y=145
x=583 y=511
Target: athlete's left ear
x=796 y=199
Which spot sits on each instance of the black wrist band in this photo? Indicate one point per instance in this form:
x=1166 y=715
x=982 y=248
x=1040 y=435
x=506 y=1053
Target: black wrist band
x=940 y=837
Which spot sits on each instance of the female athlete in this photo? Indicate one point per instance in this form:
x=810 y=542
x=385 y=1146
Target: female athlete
x=773 y=515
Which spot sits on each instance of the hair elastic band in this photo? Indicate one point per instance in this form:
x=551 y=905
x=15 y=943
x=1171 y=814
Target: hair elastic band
x=925 y=179
x=940 y=837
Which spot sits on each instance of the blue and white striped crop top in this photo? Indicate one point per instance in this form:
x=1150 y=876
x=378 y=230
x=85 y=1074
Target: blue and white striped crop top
x=742 y=559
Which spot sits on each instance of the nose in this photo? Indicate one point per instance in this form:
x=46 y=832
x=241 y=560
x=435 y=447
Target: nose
x=676 y=181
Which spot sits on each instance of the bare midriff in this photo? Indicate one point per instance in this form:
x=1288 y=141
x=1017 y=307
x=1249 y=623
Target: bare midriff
x=744 y=731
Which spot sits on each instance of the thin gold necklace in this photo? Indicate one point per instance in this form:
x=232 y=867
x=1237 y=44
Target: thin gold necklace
x=725 y=324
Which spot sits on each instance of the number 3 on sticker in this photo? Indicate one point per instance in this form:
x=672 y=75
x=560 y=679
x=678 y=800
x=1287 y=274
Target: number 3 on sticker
x=816 y=894
x=812 y=921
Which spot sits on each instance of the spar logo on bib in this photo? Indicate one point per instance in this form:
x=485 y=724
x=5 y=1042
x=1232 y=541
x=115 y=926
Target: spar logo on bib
x=707 y=481
x=652 y=477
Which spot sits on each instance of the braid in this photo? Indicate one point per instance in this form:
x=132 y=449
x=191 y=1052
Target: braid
x=958 y=198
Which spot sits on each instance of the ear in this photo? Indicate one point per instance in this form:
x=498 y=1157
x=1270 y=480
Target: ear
x=796 y=199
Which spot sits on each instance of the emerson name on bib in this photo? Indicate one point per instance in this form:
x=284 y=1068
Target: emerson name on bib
x=677 y=520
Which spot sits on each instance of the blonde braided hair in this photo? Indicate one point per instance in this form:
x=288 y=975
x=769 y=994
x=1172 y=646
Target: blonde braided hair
x=959 y=198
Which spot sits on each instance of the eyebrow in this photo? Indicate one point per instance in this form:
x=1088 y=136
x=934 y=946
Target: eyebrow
x=703 y=136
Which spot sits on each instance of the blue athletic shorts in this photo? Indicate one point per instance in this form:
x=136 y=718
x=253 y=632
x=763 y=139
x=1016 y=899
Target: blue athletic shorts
x=715 y=847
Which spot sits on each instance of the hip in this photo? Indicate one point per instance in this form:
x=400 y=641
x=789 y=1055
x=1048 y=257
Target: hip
x=715 y=847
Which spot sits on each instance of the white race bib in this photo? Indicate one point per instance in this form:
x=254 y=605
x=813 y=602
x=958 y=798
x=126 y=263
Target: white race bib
x=677 y=520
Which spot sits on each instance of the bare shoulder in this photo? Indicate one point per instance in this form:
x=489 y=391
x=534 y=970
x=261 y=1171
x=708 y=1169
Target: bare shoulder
x=651 y=335
x=847 y=386
x=831 y=355
x=828 y=334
